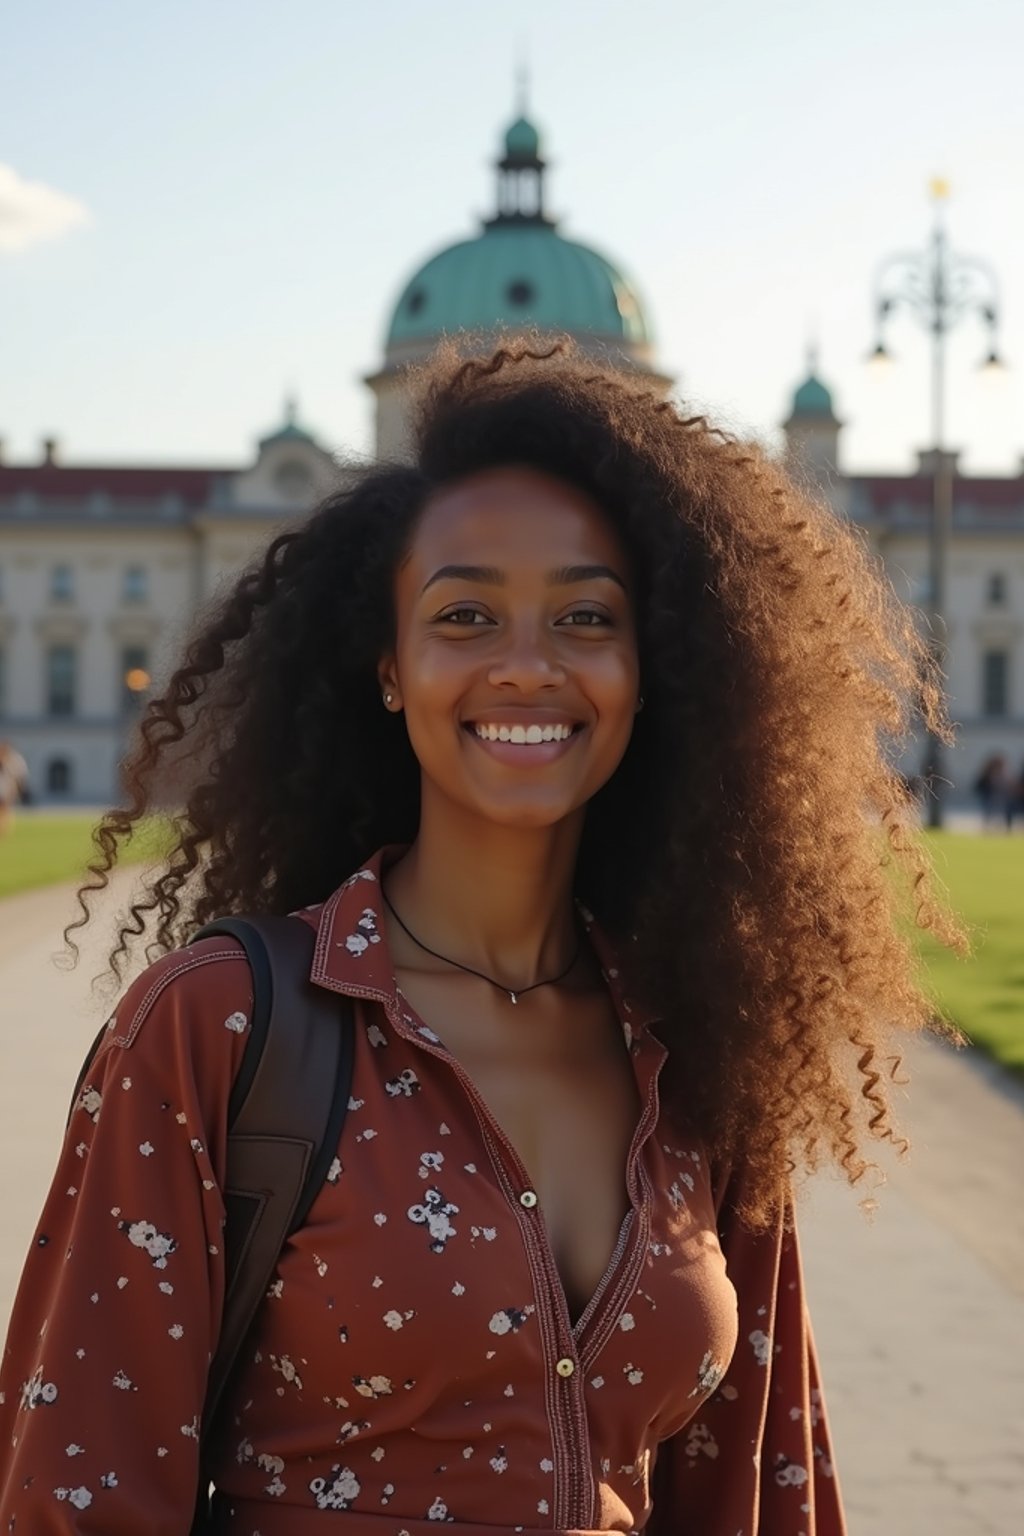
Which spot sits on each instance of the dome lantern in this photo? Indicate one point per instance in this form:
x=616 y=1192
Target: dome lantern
x=521 y=177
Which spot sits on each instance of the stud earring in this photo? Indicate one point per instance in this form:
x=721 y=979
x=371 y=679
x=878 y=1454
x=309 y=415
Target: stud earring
x=389 y=698
x=639 y=703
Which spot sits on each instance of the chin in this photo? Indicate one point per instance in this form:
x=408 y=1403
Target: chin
x=524 y=816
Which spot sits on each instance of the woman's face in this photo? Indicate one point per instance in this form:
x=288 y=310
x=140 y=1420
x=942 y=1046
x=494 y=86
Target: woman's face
x=515 y=656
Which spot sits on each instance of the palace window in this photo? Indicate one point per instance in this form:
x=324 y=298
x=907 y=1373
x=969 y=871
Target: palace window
x=59 y=776
x=61 y=679
x=135 y=584
x=292 y=479
x=995 y=683
x=996 y=589
x=135 y=678
x=62 y=583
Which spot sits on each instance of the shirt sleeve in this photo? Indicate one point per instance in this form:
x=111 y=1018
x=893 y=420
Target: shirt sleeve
x=118 y=1310
x=756 y=1458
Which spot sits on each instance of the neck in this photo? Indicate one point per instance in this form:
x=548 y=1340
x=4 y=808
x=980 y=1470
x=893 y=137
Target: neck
x=499 y=899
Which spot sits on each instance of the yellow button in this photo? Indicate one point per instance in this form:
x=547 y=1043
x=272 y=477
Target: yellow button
x=528 y=1198
x=565 y=1367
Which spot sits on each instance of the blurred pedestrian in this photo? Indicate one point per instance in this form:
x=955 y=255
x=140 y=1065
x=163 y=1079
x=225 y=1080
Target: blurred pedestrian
x=993 y=789
x=13 y=783
x=1015 y=799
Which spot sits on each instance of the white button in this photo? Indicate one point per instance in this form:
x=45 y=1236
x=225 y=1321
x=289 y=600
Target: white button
x=528 y=1198
x=565 y=1367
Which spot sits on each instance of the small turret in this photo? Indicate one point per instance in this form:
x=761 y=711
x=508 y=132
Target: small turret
x=812 y=429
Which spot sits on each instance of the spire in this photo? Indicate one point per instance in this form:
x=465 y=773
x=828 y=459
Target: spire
x=523 y=84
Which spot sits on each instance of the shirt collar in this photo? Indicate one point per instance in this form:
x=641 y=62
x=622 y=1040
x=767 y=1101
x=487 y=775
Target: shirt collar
x=351 y=951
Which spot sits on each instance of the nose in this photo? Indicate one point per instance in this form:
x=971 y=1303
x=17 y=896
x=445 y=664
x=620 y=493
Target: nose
x=527 y=661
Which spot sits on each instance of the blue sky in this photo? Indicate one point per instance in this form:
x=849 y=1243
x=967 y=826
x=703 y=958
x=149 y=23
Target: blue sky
x=254 y=183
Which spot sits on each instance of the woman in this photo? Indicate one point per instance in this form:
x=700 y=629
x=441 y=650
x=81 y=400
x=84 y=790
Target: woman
x=571 y=740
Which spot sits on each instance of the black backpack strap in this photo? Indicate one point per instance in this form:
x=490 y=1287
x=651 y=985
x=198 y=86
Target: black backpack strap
x=286 y=1114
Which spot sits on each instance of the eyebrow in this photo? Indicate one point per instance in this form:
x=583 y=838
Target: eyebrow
x=567 y=574
x=490 y=575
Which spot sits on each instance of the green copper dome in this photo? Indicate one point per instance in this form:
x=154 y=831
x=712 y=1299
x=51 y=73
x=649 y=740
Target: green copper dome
x=518 y=275
x=813 y=398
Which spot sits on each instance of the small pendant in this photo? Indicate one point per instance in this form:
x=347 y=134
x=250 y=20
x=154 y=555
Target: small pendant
x=513 y=997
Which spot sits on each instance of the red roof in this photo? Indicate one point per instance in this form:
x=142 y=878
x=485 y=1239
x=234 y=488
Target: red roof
x=77 y=482
x=1003 y=496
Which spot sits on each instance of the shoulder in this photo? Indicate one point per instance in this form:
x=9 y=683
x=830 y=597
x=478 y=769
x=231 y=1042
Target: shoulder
x=187 y=986
x=176 y=1038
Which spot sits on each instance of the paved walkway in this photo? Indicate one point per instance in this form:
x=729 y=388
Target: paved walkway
x=919 y=1314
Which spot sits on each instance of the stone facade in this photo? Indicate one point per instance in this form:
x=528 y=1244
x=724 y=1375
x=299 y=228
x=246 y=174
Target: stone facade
x=101 y=572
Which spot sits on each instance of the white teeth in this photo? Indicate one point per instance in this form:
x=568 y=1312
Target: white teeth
x=523 y=735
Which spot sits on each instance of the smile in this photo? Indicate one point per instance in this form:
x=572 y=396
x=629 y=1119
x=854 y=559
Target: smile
x=523 y=735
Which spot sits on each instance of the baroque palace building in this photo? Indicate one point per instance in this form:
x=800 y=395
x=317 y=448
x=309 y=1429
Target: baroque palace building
x=103 y=567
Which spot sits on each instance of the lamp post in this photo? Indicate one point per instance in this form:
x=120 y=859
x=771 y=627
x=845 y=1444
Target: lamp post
x=941 y=288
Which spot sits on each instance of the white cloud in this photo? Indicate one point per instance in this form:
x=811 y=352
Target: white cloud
x=31 y=212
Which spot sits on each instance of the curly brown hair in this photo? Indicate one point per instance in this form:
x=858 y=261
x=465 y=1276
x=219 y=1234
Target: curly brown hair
x=745 y=850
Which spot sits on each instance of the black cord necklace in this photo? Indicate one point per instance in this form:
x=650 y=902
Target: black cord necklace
x=513 y=996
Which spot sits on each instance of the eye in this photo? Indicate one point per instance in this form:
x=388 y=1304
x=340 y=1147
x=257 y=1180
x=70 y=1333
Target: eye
x=463 y=617
x=586 y=618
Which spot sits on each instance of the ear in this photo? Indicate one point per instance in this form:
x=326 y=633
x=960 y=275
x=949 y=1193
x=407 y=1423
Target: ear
x=387 y=677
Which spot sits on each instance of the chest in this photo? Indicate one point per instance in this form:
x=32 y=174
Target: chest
x=422 y=1285
x=555 y=1088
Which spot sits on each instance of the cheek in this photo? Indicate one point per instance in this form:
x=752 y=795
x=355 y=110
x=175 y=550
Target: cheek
x=615 y=681
x=428 y=671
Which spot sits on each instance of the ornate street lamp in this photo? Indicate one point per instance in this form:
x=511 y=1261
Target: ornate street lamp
x=941 y=288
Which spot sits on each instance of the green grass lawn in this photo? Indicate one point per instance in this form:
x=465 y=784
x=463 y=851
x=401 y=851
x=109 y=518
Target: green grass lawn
x=42 y=850
x=984 y=995
x=985 y=875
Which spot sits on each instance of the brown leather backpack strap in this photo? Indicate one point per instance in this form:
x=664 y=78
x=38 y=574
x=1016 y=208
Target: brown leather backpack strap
x=287 y=1110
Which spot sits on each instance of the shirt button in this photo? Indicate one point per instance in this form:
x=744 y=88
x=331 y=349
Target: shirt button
x=528 y=1198
x=565 y=1367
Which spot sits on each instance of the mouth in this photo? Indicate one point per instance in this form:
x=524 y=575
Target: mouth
x=524 y=746
x=519 y=735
